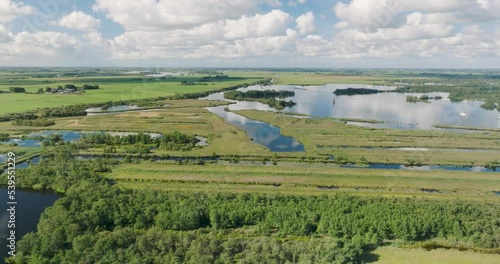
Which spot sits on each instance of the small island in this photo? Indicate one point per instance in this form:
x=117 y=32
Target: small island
x=266 y=97
x=423 y=98
x=354 y=91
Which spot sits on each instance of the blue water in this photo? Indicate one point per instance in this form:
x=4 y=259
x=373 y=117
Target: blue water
x=392 y=108
x=260 y=132
x=424 y=168
x=30 y=205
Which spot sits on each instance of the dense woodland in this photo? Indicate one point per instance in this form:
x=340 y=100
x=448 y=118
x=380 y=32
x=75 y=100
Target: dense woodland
x=98 y=222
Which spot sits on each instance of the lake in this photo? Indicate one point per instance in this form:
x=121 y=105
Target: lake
x=392 y=108
x=30 y=205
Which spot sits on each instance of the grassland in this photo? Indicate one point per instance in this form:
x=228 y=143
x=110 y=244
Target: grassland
x=312 y=179
x=394 y=255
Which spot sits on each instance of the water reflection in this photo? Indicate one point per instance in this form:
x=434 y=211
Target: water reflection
x=392 y=108
x=261 y=133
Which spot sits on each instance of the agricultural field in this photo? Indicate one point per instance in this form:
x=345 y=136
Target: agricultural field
x=112 y=88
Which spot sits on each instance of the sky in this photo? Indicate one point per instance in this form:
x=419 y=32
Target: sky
x=251 y=33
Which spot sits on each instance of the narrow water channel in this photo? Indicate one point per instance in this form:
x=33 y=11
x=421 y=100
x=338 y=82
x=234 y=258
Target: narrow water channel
x=260 y=132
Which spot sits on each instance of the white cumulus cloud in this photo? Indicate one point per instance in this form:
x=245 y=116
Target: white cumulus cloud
x=169 y=14
x=305 y=23
x=79 y=21
x=10 y=10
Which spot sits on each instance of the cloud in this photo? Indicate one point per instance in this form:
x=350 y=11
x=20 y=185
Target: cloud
x=248 y=47
x=413 y=29
x=237 y=31
x=305 y=23
x=370 y=15
x=233 y=37
x=5 y=34
x=270 y=24
x=79 y=21
x=172 y=14
x=10 y=10
x=41 y=44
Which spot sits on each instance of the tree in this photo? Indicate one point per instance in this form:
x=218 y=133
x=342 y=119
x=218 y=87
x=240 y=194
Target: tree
x=17 y=90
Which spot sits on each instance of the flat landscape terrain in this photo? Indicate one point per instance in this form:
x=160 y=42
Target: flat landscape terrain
x=228 y=177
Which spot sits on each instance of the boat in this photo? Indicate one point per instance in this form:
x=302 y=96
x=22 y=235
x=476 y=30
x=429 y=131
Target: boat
x=300 y=88
x=463 y=114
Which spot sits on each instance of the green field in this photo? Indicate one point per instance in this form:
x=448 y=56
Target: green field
x=394 y=255
x=111 y=89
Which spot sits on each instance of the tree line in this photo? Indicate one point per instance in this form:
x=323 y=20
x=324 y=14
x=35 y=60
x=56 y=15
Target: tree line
x=167 y=141
x=266 y=97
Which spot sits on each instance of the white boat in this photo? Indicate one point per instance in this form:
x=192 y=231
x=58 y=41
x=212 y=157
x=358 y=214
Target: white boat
x=463 y=114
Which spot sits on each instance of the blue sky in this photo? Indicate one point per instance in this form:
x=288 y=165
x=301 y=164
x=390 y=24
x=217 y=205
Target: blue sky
x=251 y=33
